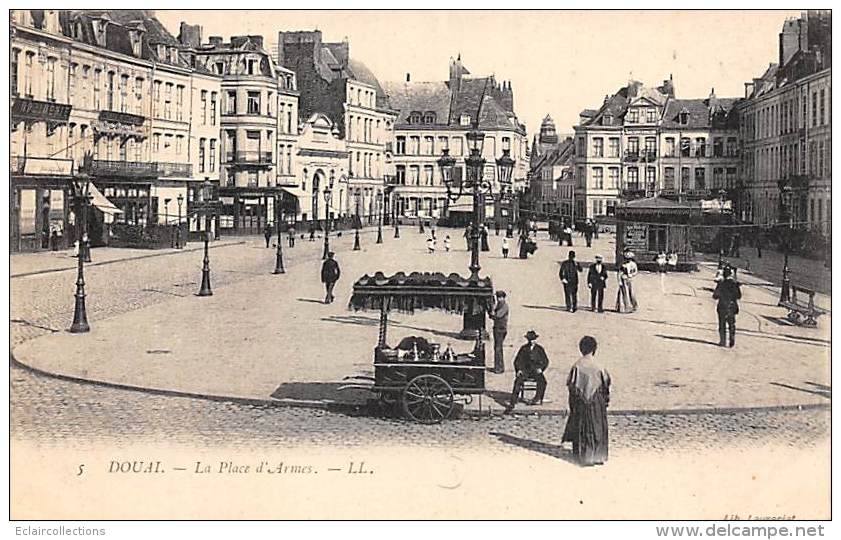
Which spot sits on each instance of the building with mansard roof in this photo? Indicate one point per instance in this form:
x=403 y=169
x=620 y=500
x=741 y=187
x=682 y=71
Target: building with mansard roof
x=436 y=115
x=643 y=141
x=112 y=93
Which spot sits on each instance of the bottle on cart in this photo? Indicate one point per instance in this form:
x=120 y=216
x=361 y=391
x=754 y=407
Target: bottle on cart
x=415 y=356
x=449 y=356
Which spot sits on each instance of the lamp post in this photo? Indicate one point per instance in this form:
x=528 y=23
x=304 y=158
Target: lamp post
x=474 y=320
x=395 y=212
x=166 y=220
x=82 y=198
x=787 y=205
x=328 y=192
x=380 y=217
x=206 y=194
x=278 y=266
x=180 y=200
x=356 y=222
x=721 y=198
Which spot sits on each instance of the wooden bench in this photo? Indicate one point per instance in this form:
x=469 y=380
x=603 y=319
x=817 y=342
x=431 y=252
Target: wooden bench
x=800 y=312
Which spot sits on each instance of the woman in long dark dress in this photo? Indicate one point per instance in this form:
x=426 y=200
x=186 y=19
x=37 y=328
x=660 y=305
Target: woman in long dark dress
x=483 y=233
x=589 y=395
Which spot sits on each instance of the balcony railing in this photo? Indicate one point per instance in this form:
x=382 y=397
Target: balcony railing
x=137 y=169
x=632 y=155
x=250 y=157
x=648 y=155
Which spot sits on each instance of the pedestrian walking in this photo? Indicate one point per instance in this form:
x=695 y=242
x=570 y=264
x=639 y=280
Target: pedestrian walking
x=589 y=395
x=588 y=233
x=569 y=277
x=447 y=243
x=597 y=283
x=312 y=232
x=529 y=364
x=671 y=259
x=330 y=273
x=509 y=231
x=468 y=235
x=499 y=315
x=290 y=233
x=759 y=244
x=267 y=234
x=483 y=235
x=496 y=227
x=661 y=261
x=430 y=245
x=727 y=292
x=568 y=235
x=628 y=272
x=595 y=229
x=504 y=248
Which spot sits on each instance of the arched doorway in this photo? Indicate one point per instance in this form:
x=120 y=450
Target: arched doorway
x=317 y=195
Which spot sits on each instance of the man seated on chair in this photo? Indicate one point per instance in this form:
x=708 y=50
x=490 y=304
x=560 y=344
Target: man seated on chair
x=529 y=364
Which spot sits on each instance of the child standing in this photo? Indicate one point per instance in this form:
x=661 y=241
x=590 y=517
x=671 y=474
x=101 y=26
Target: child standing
x=447 y=243
x=430 y=244
x=505 y=248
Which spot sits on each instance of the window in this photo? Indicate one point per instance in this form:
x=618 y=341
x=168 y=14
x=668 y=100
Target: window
x=253 y=178
x=110 y=94
x=598 y=147
x=670 y=147
x=428 y=173
x=231 y=106
x=651 y=147
x=700 y=147
x=251 y=66
x=220 y=68
x=633 y=116
x=401 y=174
x=732 y=147
x=700 y=178
x=51 y=79
x=613 y=147
x=613 y=175
x=213 y=108
x=253 y=102
x=179 y=103
x=269 y=99
x=633 y=146
x=651 y=115
x=814 y=109
x=429 y=145
x=414 y=145
x=212 y=155
x=429 y=118
x=168 y=100
x=684 y=178
x=598 y=178
x=414 y=175
x=685 y=146
x=443 y=143
x=730 y=181
x=204 y=107
x=201 y=154
x=669 y=178
x=401 y=145
x=718 y=177
x=457 y=149
x=650 y=178
x=718 y=147
x=156 y=142
x=179 y=144
x=13 y=72
x=464 y=120
x=633 y=178
x=415 y=118
x=823 y=106
x=27 y=73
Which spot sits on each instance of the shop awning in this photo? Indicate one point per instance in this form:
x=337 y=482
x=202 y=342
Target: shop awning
x=296 y=192
x=101 y=202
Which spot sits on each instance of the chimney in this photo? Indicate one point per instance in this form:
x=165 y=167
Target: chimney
x=189 y=35
x=256 y=40
x=748 y=89
x=408 y=77
x=238 y=41
x=215 y=40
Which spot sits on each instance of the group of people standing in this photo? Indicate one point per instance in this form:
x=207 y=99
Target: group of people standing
x=597 y=277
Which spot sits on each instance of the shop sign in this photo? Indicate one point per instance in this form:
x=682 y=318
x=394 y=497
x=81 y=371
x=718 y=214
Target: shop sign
x=635 y=236
x=48 y=166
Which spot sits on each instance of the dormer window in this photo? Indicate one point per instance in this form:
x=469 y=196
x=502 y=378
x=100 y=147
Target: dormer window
x=51 y=23
x=173 y=55
x=464 y=120
x=161 y=51
x=429 y=117
x=633 y=116
x=683 y=117
x=651 y=115
x=220 y=68
x=607 y=120
x=415 y=117
x=99 y=26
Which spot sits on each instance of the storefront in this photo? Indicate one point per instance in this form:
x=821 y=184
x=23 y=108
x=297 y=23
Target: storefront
x=40 y=204
x=244 y=211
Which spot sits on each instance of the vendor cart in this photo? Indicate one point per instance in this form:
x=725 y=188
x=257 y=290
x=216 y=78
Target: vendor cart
x=425 y=380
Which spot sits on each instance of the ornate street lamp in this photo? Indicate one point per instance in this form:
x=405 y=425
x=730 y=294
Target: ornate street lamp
x=166 y=220
x=380 y=217
x=394 y=211
x=278 y=266
x=205 y=200
x=474 y=323
x=356 y=221
x=722 y=195
x=180 y=200
x=81 y=198
x=328 y=193
x=787 y=206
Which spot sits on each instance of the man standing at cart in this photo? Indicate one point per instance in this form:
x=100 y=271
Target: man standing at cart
x=529 y=364
x=499 y=314
x=330 y=273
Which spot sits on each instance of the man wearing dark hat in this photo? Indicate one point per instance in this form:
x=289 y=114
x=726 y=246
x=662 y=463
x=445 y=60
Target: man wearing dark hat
x=530 y=363
x=727 y=292
x=569 y=277
x=596 y=282
x=330 y=273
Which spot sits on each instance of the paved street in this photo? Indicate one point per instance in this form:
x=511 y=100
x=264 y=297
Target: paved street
x=248 y=340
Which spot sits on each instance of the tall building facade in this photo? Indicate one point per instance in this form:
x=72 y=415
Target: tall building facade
x=109 y=93
x=436 y=115
x=786 y=130
x=258 y=105
x=643 y=141
x=551 y=187
x=347 y=93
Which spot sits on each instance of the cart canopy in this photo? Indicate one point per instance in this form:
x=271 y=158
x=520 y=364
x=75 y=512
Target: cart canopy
x=421 y=290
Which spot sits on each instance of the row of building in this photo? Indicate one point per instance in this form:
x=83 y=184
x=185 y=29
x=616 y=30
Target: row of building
x=766 y=154
x=300 y=133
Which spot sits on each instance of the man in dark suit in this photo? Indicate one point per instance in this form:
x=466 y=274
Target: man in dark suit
x=499 y=315
x=569 y=277
x=596 y=282
x=727 y=292
x=330 y=274
x=529 y=364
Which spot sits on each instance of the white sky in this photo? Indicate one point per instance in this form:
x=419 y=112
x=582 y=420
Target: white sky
x=559 y=62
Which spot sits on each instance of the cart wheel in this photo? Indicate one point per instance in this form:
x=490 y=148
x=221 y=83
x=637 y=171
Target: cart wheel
x=428 y=399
